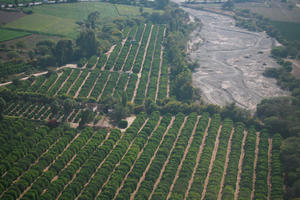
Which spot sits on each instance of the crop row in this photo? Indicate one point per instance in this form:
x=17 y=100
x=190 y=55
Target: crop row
x=91 y=175
x=163 y=82
x=277 y=182
x=85 y=90
x=261 y=183
x=78 y=83
x=69 y=82
x=59 y=82
x=202 y=170
x=218 y=167
x=45 y=87
x=92 y=61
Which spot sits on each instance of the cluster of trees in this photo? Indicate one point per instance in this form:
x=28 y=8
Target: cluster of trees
x=159 y=159
x=97 y=148
x=27 y=170
x=138 y=145
x=14 y=67
x=101 y=172
x=189 y=163
x=202 y=169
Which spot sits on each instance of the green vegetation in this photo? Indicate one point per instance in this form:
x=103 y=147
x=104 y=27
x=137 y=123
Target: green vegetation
x=10 y=35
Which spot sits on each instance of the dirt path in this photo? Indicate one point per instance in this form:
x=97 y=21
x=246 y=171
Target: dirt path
x=160 y=66
x=47 y=168
x=151 y=64
x=104 y=86
x=212 y=160
x=94 y=66
x=142 y=66
x=35 y=162
x=270 y=168
x=254 y=164
x=63 y=83
x=168 y=86
x=138 y=156
x=93 y=87
x=240 y=167
x=77 y=92
x=117 y=82
x=78 y=170
x=67 y=119
x=58 y=76
x=42 y=115
x=138 y=49
x=107 y=56
x=79 y=74
x=226 y=164
x=151 y=160
x=121 y=49
x=73 y=121
x=197 y=160
x=100 y=165
x=183 y=158
x=168 y=158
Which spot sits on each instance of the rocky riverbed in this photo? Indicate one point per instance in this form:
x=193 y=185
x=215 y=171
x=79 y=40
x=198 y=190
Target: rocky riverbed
x=231 y=62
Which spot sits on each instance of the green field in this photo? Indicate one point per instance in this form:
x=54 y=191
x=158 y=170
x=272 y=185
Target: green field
x=9 y=35
x=60 y=19
x=289 y=30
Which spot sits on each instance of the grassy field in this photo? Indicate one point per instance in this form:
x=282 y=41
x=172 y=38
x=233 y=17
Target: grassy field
x=289 y=30
x=6 y=35
x=61 y=19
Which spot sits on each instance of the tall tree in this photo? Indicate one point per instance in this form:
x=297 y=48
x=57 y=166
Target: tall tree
x=64 y=51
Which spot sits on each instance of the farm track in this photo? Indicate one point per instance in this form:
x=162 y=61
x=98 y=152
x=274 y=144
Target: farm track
x=142 y=65
x=197 y=160
x=35 y=162
x=73 y=121
x=78 y=170
x=151 y=160
x=160 y=66
x=183 y=158
x=138 y=156
x=67 y=119
x=47 y=168
x=62 y=85
x=41 y=84
x=168 y=86
x=58 y=76
x=270 y=168
x=240 y=167
x=151 y=65
x=254 y=164
x=79 y=74
x=226 y=164
x=104 y=86
x=212 y=160
x=107 y=56
x=94 y=66
x=127 y=150
x=77 y=92
x=168 y=158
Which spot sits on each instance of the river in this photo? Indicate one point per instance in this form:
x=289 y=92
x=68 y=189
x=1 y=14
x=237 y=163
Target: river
x=231 y=62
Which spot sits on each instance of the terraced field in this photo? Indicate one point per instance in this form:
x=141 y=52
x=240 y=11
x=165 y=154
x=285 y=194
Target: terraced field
x=157 y=157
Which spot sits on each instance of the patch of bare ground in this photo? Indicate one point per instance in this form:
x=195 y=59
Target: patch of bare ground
x=79 y=74
x=254 y=165
x=296 y=67
x=138 y=156
x=79 y=169
x=240 y=167
x=35 y=162
x=77 y=92
x=142 y=65
x=160 y=66
x=225 y=165
x=183 y=158
x=168 y=158
x=197 y=160
x=129 y=121
x=104 y=86
x=100 y=165
x=212 y=160
x=168 y=86
x=47 y=168
x=104 y=123
x=270 y=168
x=152 y=158
x=151 y=64
x=63 y=83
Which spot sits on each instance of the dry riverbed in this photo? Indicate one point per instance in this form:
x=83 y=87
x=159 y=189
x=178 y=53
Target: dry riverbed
x=231 y=62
